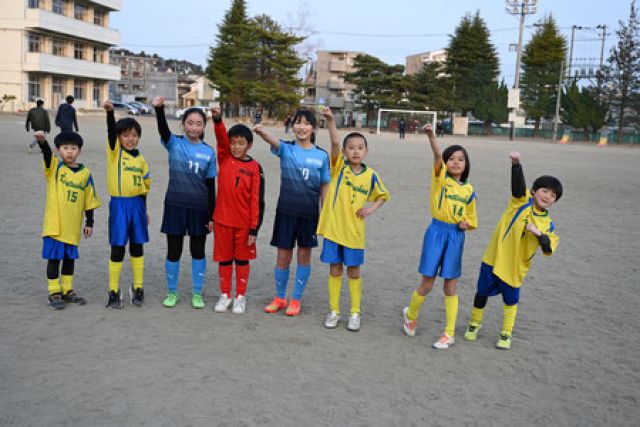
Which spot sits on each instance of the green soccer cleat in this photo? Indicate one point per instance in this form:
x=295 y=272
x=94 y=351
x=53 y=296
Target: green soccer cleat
x=171 y=299
x=471 y=334
x=197 y=301
x=504 y=343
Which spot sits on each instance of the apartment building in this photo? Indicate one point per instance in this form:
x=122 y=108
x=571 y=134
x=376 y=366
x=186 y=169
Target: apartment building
x=55 y=48
x=414 y=63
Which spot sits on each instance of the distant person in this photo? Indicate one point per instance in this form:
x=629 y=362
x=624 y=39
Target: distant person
x=402 y=128
x=38 y=120
x=66 y=118
x=257 y=119
x=287 y=123
x=416 y=126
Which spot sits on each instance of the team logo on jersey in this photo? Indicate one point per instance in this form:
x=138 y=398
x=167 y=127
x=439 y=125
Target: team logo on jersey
x=313 y=162
x=203 y=156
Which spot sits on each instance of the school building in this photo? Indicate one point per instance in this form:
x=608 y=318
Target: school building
x=55 y=48
x=414 y=63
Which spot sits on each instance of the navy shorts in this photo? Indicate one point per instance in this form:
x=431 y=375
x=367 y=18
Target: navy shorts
x=181 y=221
x=127 y=221
x=289 y=230
x=333 y=253
x=55 y=249
x=442 y=250
x=490 y=285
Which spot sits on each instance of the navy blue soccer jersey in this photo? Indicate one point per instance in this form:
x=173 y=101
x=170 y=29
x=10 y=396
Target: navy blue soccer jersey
x=189 y=166
x=302 y=172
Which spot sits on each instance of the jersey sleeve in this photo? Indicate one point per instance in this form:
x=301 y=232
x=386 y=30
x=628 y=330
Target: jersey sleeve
x=337 y=166
x=146 y=177
x=470 y=212
x=212 y=170
x=50 y=172
x=91 y=199
x=256 y=207
x=280 y=150
x=325 y=173
x=222 y=141
x=553 y=239
x=441 y=177
x=378 y=189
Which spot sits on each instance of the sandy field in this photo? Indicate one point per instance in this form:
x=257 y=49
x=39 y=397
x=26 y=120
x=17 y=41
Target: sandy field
x=575 y=348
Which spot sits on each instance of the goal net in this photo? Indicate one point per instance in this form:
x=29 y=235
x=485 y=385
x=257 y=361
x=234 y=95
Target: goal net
x=390 y=120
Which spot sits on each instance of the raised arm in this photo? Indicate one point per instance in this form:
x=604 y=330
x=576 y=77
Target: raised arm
x=518 y=185
x=112 y=136
x=44 y=147
x=161 y=120
x=333 y=133
x=222 y=139
x=268 y=137
x=437 y=154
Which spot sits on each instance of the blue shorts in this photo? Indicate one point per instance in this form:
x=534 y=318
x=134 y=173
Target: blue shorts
x=490 y=285
x=442 y=250
x=127 y=221
x=289 y=230
x=55 y=249
x=333 y=253
x=181 y=221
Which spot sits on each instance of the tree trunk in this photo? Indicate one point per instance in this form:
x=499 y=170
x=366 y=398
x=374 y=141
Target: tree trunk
x=487 y=127
x=536 y=127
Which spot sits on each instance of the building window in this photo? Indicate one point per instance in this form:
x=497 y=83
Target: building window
x=58 y=7
x=33 y=87
x=97 y=55
x=98 y=17
x=78 y=51
x=34 y=43
x=97 y=93
x=58 y=47
x=79 y=11
x=34 y=4
x=78 y=89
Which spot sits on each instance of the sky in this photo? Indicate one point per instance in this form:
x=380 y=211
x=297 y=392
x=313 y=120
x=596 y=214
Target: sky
x=388 y=30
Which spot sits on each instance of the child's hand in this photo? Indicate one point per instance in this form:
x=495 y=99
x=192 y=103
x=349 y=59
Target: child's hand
x=327 y=113
x=533 y=229
x=464 y=225
x=209 y=226
x=251 y=240
x=39 y=136
x=515 y=157
x=158 y=101
x=428 y=130
x=107 y=105
x=258 y=129
x=364 y=212
x=215 y=112
x=87 y=231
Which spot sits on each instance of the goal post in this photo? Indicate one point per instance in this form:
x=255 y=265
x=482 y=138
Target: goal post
x=409 y=113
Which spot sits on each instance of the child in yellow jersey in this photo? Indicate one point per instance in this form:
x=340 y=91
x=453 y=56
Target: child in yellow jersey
x=70 y=192
x=524 y=226
x=453 y=209
x=353 y=184
x=128 y=183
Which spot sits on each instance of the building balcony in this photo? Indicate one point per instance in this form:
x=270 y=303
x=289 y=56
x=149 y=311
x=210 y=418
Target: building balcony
x=46 y=20
x=336 y=102
x=336 y=85
x=109 y=4
x=46 y=63
x=338 y=66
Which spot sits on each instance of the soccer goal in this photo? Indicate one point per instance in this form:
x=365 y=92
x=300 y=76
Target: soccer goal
x=390 y=119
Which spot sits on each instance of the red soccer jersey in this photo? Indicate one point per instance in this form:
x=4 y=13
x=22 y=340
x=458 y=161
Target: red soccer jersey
x=240 y=201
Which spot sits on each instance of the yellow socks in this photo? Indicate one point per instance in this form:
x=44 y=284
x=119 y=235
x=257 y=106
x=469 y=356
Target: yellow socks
x=54 y=286
x=137 y=267
x=67 y=284
x=476 y=315
x=451 y=314
x=355 y=286
x=335 y=283
x=509 y=319
x=414 y=306
x=114 y=275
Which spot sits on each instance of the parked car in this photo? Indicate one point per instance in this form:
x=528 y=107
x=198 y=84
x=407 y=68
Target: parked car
x=129 y=109
x=205 y=109
x=143 y=108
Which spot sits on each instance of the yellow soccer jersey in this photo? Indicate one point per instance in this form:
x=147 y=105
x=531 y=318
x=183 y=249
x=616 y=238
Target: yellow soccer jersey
x=512 y=247
x=69 y=194
x=127 y=176
x=451 y=201
x=347 y=194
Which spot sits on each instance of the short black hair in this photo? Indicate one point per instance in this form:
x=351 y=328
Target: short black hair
x=550 y=182
x=39 y=102
x=194 y=110
x=126 y=124
x=354 y=135
x=70 y=99
x=68 y=138
x=241 y=131
x=467 y=163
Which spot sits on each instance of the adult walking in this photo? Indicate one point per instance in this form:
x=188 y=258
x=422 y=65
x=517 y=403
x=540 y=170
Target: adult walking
x=66 y=118
x=37 y=120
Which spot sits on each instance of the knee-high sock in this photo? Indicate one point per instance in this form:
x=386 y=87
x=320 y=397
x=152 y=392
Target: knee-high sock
x=302 y=277
x=509 y=319
x=242 y=278
x=137 y=268
x=281 y=277
x=114 y=275
x=355 y=288
x=414 y=306
x=476 y=315
x=451 y=314
x=225 y=273
x=172 y=270
x=335 y=283
x=54 y=286
x=66 y=282
x=198 y=268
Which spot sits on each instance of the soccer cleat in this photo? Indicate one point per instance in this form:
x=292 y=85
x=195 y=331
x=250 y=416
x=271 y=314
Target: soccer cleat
x=115 y=300
x=408 y=326
x=239 y=305
x=197 y=301
x=444 y=342
x=223 y=303
x=504 y=343
x=332 y=320
x=353 y=324
x=56 y=302
x=471 y=334
x=294 y=308
x=276 y=305
x=137 y=296
x=73 y=298
x=171 y=299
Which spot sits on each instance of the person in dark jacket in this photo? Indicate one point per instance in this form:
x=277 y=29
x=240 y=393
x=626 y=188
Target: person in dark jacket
x=37 y=120
x=66 y=117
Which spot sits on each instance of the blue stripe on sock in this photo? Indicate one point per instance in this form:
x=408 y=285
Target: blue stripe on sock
x=302 y=277
x=281 y=278
x=198 y=268
x=172 y=271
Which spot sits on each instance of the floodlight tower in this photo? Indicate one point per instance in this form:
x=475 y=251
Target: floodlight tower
x=522 y=8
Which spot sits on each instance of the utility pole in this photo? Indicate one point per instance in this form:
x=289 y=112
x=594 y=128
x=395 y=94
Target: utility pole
x=556 y=118
x=604 y=36
x=522 y=8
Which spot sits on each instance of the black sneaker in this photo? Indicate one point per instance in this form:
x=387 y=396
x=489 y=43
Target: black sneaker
x=137 y=296
x=115 y=299
x=56 y=302
x=72 y=297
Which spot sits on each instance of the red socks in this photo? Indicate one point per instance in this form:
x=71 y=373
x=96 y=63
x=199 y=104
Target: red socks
x=242 y=277
x=225 y=272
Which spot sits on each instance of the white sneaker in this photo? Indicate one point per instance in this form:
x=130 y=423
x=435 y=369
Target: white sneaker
x=223 y=304
x=332 y=320
x=239 y=305
x=444 y=342
x=354 y=322
x=408 y=326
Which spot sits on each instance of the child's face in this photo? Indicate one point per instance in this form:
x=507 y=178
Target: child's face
x=302 y=129
x=193 y=126
x=69 y=153
x=239 y=147
x=129 y=139
x=544 y=198
x=355 y=149
x=456 y=164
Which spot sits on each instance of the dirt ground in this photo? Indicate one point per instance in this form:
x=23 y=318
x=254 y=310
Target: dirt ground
x=575 y=349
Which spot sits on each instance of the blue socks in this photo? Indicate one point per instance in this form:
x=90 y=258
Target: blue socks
x=281 y=277
x=172 y=270
x=302 y=277
x=198 y=267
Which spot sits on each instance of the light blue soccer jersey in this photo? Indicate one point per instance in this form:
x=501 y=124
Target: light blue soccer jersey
x=302 y=171
x=189 y=166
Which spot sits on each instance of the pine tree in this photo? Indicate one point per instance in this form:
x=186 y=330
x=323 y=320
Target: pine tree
x=430 y=88
x=492 y=105
x=582 y=109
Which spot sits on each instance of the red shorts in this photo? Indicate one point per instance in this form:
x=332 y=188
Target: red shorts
x=231 y=243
